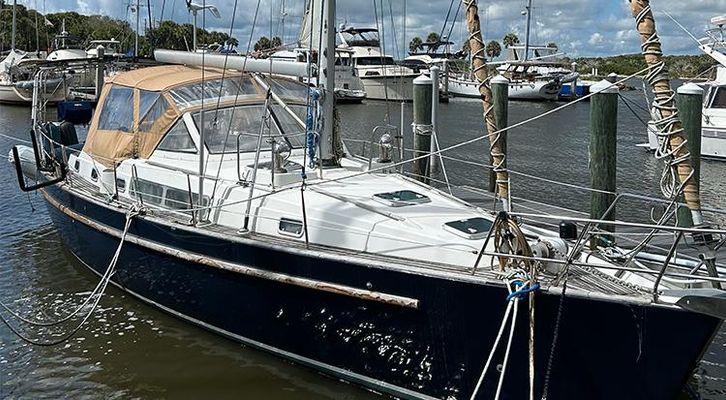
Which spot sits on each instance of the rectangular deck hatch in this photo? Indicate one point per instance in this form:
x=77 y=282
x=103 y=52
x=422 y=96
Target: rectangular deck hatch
x=401 y=198
x=472 y=228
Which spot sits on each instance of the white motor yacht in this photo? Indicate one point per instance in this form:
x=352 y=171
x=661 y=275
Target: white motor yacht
x=382 y=78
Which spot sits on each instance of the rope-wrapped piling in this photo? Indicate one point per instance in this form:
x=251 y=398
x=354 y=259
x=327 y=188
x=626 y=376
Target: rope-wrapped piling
x=678 y=175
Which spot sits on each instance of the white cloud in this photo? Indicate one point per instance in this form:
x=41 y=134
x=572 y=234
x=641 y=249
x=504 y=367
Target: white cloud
x=596 y=38
x=597 y=27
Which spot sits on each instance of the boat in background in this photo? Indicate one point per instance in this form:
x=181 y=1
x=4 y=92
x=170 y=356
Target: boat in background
x=17 y=84
x=382 y=77
x=349 y=87
x=713 y=123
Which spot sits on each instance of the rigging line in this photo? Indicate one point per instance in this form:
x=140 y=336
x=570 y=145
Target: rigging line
x=382 y=48
x=427 y=155
x=446 y=20
x=393 y=28
x=239 y=85
x=161 y=16
x=635 y=114
x=219 y=100
x=453 y=21
x=15 y=139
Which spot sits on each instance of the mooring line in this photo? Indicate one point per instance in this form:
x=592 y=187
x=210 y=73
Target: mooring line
x=103 y=284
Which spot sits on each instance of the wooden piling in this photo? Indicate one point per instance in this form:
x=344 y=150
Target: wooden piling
x=500 y=97
x=603 y=153
x=422 y=96
x=690 y=100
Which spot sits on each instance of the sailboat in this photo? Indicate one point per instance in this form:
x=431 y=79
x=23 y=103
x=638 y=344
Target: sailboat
x=17 y=68
x=228 y=203
x=533 y=71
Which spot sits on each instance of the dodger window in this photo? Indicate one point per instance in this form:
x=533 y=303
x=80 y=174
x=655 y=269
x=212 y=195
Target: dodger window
x=117 y=113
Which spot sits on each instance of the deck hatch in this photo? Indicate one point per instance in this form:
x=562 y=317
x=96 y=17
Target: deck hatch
x=471 y=228
x=401 y=198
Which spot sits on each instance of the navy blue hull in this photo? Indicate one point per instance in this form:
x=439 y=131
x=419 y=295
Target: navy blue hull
x=605 y=349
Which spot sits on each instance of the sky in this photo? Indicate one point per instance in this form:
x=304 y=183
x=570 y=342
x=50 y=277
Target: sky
x=581 y=28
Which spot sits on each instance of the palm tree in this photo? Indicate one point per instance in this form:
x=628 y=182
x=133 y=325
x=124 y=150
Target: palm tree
x=276 y=42
x=493 y=49
x=432 y=37
x=415 y=44
x=552 y=45
x=510 y=39
x=263 y=44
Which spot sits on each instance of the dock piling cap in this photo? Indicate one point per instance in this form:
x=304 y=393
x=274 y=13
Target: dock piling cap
x=690 y=88
x=423 y=80
x=604 y=86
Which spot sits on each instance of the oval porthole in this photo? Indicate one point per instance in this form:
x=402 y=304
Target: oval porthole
x=94 y=174
x=77 y=165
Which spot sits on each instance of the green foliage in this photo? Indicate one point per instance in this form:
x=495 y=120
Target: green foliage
x=493 y=49
x=263 y=43
x=678 y=66
x=552 y=45
x=415 y=44
x=276 y=42
x=169 y=34
x=510 y=39
x=432 y=37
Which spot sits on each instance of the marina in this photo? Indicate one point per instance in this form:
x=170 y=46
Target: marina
x=405 y=248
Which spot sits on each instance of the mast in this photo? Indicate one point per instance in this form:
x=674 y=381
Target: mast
x=326 y=79
x=478 y=55
x=526 y=33
x=678 y=157
x=12 y=38
x=136 y=40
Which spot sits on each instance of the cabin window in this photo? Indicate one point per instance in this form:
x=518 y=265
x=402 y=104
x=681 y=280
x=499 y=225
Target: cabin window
x=719 y=98
x=121 y=185
x=472 y=228
x=179 y=199
x=178 y=139
x=375 y=61
x=290 y=227
x=227 y=128
x=212 y=91
x=117 y=113
x=148 y=192
x=401 y=198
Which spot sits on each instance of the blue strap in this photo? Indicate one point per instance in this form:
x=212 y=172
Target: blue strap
x=519 y=294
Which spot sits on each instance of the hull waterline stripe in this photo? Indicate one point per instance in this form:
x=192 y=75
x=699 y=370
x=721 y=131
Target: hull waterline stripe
x=329 y=287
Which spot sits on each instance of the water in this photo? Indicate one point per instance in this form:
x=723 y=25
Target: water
x=130 y=350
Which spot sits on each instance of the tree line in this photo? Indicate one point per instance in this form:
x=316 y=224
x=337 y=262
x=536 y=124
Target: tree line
x=493 y=48
x=168 y=34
